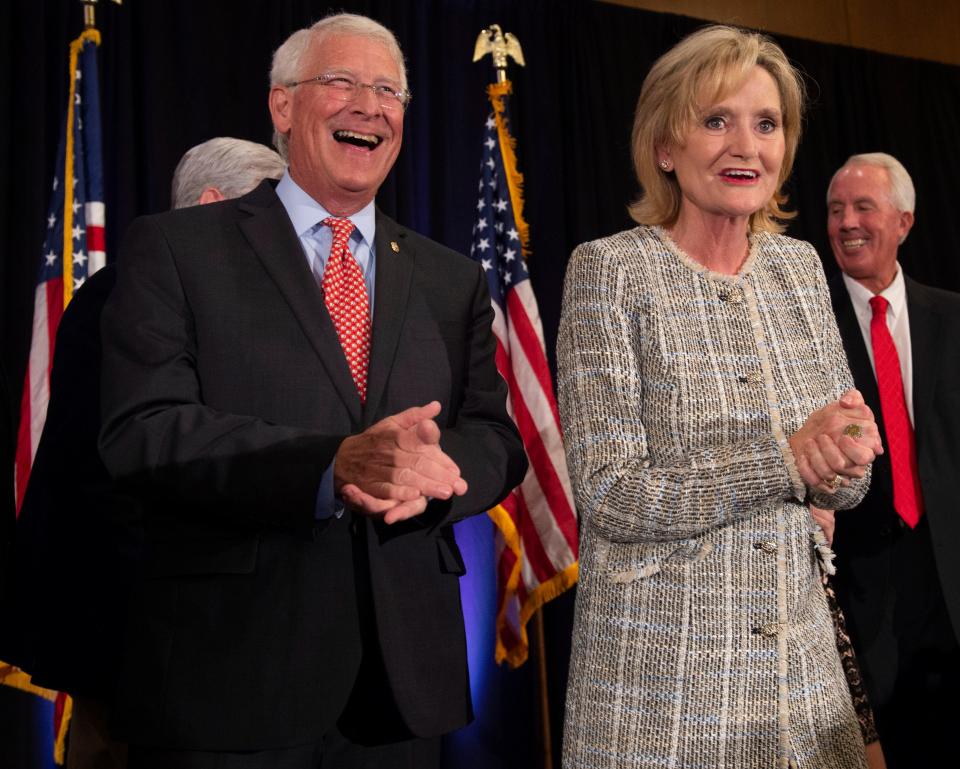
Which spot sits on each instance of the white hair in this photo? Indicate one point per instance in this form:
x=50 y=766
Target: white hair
x=286 y=59
x=901 y=192
x=233 y=166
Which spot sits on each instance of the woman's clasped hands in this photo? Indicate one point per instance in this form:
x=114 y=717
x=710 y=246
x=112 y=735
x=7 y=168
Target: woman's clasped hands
x=836 y=443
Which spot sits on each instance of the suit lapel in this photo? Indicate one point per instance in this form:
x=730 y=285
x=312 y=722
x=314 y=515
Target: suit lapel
x=924 y=343
x=272 y=238
x=394 y=271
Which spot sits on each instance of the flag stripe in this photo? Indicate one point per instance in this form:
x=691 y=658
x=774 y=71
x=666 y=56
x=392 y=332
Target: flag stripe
x=542 y=407
x=535 y=554
x=21 y=470
x=549 y=446
x=544 y=460
x=96 y=239
x=542 y=480
x=528 y=333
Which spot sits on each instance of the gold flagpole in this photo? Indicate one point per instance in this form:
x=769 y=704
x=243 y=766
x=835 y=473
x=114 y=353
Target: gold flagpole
x=546 y=738
x=90 y=12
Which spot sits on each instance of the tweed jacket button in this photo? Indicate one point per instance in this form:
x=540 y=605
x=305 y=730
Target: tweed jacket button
x=770 y=630
x=766 y=545
x=730 y=294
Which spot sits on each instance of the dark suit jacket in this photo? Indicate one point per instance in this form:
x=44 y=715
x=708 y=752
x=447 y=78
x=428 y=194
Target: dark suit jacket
x=77 y=542
x=226 y=395
x=865 y=535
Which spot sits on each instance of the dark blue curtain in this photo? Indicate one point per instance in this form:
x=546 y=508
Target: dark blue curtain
x=178 y=72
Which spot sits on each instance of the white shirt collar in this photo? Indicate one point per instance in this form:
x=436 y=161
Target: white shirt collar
x=895 y=294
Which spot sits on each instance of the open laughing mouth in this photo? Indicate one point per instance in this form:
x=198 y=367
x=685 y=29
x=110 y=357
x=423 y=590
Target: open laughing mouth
x=852 y=245
x=357 y=139
x=739 y=175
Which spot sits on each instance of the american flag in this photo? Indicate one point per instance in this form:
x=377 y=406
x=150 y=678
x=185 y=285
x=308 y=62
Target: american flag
x=537 y=541
x=73 y=247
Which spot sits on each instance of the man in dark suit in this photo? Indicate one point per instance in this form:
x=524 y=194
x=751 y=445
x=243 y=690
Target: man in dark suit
x=300 y=466
x=898 y=576
x=76 y=533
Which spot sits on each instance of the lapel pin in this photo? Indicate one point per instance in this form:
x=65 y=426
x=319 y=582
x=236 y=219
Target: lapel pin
x=395 y=246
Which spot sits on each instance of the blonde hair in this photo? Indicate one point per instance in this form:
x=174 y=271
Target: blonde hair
x=708 y=65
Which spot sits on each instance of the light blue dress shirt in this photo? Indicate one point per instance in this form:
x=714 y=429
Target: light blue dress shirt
x=305 y=213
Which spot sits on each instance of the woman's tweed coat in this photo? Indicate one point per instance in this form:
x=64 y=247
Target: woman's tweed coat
x=702 y=637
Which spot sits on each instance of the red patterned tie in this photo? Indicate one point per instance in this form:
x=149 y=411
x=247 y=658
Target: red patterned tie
x=907 y=498
x=345 y=295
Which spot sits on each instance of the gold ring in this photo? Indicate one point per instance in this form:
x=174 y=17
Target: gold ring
x=833 y=483
x=853 y=430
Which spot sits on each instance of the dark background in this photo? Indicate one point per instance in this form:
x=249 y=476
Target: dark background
x=178 y=72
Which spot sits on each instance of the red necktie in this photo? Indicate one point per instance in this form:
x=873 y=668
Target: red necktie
x=345 y=294
x=907 y=497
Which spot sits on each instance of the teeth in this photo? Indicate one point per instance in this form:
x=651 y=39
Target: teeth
x=743 y=173
x=354 y=137
x=853 y=243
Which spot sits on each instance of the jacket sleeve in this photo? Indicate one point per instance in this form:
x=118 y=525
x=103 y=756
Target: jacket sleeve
x=618 y=487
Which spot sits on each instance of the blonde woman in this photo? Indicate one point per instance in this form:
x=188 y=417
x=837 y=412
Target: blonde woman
x=706 y=398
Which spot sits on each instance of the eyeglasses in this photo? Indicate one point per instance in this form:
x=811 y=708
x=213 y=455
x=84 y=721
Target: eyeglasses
x=347 y=89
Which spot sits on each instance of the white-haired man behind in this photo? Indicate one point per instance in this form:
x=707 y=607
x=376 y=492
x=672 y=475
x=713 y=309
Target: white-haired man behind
x=898 y=576
x=220 y=169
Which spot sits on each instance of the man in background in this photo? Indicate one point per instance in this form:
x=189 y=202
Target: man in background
x=898 y=575
x=78 y=538
x=221 y=169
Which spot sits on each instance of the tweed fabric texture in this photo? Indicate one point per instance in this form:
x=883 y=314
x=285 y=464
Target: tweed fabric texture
x=702 y=637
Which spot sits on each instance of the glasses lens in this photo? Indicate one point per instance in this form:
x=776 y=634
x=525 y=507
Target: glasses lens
x=341 y=88
x=345 y=89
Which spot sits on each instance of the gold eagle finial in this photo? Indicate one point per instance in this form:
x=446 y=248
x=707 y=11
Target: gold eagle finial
x=501 y=45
